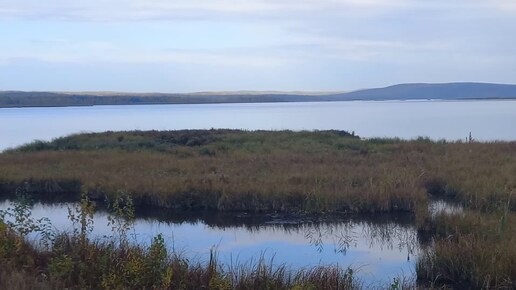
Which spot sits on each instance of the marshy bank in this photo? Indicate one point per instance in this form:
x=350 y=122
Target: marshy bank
x=377 y=248
x=299 y=173
x=265 y=171
x=74 y=260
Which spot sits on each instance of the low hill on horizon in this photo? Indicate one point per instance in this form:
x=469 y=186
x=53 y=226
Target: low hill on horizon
x=445 y=91
x=421 y=91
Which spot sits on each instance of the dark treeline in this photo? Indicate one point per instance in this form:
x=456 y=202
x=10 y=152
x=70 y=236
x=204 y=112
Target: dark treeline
x=451 y=91
x=50 y=99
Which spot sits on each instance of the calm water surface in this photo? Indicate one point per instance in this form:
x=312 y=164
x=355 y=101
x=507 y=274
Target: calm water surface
x=487 y=120
x=381 y=248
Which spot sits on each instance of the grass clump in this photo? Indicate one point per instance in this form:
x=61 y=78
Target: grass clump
x=472 y=250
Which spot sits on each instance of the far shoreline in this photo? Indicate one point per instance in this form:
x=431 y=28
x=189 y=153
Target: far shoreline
x=265 y=102
x=466 y=91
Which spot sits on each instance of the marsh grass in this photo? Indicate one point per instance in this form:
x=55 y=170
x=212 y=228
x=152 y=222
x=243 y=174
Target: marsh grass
x=264 y=171
x=294 y=172
x=471 y=251
x=102 y=266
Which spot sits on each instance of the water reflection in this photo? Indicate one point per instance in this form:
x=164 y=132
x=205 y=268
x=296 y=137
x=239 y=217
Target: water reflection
x=382 y=247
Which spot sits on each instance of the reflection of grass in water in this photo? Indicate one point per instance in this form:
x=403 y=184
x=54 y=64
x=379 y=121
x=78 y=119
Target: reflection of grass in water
x=342 y=235
x=72 y=260
x=386 y=236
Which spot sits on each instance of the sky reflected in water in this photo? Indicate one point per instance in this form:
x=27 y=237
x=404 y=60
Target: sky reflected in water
x=381 y=248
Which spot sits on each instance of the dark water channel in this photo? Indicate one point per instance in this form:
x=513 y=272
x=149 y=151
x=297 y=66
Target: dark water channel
x=381 y=247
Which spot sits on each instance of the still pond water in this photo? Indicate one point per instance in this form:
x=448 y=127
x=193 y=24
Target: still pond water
x=380 y=247
x=452 y=120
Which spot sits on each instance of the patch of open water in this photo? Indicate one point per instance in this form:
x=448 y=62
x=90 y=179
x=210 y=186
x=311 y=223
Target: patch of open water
x=381 y=247
x=488 y=120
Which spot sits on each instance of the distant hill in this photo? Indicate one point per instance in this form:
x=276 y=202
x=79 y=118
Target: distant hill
x=450 y=91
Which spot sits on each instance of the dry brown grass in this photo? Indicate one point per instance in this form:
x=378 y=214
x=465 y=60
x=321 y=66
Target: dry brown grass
x=275 y=171
x=471 y=251
x=313 y=172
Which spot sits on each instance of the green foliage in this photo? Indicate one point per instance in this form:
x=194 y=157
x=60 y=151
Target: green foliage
x=121 y=216
x=82 y=218
x=23 y=223
x=395 y=285
x=75 y=262
x=61 y=267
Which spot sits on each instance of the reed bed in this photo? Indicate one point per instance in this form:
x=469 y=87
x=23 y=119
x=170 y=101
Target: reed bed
x=283 y=171
x=471 y=251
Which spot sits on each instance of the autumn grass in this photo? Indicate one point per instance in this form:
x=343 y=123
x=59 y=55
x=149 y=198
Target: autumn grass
x=300 y=172
x=471 y=251
x=228 y=170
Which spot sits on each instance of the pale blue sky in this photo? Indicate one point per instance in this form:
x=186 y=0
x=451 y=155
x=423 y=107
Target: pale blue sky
x=210 y=45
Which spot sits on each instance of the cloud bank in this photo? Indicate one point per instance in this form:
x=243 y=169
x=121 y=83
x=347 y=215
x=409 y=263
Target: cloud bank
x=253 y=44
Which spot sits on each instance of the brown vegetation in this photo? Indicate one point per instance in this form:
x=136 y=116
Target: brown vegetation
x=310 y=172
x=266 y=171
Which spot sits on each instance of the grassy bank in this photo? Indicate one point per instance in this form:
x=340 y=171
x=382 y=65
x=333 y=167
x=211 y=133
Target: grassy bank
x=471 y=251
x=265 y=171
x=71 y=264
x=299 y=172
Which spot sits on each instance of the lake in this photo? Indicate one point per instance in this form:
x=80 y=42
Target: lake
x=451 y=120
x=381 y=247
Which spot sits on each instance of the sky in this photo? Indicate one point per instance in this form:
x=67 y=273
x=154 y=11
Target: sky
x=228 y=45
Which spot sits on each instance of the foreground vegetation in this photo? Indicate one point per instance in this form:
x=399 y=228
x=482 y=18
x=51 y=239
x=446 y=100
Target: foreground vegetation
x=471 y=251
x=73 y=261
x=299 y=172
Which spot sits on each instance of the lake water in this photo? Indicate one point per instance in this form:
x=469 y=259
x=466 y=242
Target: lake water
x=380 y=247
x=452 y=120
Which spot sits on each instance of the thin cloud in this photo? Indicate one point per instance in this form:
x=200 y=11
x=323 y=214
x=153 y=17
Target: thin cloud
x=319 y=44
x=142 y=10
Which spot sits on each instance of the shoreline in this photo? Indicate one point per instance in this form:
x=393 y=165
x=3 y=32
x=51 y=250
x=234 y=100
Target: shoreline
x=260 y=102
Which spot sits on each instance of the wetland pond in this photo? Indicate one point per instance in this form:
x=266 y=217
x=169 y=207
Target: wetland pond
x=377 y=247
